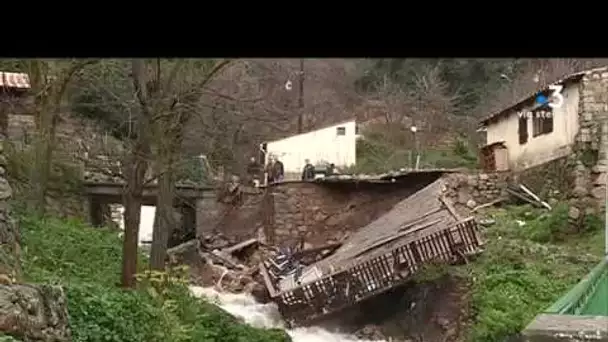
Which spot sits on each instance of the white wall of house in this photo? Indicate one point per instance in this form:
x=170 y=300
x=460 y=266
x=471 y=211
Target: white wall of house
x=543 y=148
x=335 y=144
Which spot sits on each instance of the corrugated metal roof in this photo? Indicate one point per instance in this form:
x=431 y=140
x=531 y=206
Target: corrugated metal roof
x=567 y=78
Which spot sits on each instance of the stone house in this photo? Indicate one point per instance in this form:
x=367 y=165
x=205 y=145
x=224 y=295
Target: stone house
x=572 y=126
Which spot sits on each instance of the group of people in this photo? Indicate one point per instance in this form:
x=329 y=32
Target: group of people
x=275 y=171
x=309 y=172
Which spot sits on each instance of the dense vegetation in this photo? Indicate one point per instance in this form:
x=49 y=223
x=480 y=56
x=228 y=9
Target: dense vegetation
x=87 y=262
x=377 y=154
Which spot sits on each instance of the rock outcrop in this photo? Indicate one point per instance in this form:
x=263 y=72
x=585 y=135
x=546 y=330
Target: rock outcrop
x=34 y=313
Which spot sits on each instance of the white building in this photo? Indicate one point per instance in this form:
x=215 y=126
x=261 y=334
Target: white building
x=528 y=134
x=334 y=144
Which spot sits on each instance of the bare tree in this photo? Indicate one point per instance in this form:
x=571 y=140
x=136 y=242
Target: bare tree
x=428 y=105
x=120 y=95
x=135 y=167
x=177 y=101
x=145 y=103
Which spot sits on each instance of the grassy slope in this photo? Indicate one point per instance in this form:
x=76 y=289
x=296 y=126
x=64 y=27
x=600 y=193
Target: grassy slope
x=526 y=268
x=375 y=155
x=87 y=261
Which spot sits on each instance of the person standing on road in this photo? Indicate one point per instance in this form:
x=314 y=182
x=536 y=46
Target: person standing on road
x=308 y=173
x=280 y=171
x=275 y=170
x=253 y=171
x=331 y=170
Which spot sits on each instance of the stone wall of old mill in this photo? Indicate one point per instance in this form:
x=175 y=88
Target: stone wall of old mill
x=317 y=214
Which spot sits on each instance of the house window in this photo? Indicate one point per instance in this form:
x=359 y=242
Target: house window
x=542 y=121
x=523 y=130
x=341 y=131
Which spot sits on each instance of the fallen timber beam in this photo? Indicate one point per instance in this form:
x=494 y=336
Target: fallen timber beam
x=524 y=198
x=536 y=198
x=220 y=258
x=489 y=204
x=239 y=246
x=269 y=285
x=450 y=207
x=305 y=252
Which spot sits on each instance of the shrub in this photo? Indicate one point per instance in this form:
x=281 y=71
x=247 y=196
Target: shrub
x=554 y=226
x=516 y=277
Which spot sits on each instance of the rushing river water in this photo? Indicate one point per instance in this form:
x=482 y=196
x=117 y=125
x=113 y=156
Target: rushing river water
x=267 y=316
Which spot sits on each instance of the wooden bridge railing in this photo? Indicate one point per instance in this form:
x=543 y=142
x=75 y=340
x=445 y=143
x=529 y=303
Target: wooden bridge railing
x=378 y=274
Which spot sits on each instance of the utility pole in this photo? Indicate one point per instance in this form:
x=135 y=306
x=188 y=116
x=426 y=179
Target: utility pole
x=301 y=97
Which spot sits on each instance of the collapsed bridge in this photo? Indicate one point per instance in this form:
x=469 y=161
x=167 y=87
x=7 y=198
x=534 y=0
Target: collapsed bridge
x=420 y=230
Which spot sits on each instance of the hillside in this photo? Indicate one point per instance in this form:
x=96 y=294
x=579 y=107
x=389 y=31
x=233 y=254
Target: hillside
x=444 y=98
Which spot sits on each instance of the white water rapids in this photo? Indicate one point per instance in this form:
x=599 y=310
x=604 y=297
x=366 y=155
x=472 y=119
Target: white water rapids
x=267 y=316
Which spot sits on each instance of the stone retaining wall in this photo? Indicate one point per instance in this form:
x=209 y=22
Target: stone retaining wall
x=469 y=190
x=554 y=179
x=317 y=214
x=591 y=150
x=313 y=213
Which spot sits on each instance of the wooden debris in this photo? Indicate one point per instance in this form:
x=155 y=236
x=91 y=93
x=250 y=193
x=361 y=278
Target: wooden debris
x=489 y=204
x=309 y=256
x=239 y=246
x=527 y=191
x=218 y=257
x=269 y=284
x=449 y=206
x=397 y=236
x=520 y=193
x=305 y=252
x=323 y=294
